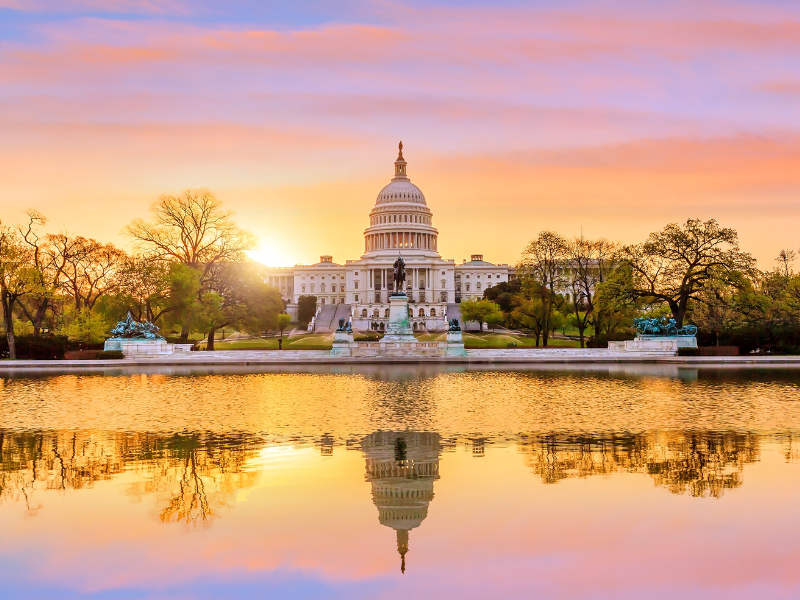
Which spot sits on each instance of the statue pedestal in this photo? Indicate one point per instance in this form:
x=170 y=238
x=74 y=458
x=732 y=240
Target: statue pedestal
x=398 y=329
x=342 y=341
x=666 y=344
x=455 y=344
x=133 y=348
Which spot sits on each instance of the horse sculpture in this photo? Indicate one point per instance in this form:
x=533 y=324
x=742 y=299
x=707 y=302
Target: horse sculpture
x=662 y=326
x=399 y=275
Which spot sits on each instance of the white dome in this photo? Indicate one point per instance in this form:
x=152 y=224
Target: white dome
x=400 y=190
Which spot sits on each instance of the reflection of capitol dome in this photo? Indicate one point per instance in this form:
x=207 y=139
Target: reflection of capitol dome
x=402 y=466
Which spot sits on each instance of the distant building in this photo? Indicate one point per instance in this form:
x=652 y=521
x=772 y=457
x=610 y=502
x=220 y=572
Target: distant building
x=400 y=224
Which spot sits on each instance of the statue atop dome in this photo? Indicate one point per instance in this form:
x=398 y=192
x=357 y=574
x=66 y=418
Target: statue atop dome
x=400 y=164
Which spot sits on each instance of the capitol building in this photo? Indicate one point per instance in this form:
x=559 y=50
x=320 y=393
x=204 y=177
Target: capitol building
x=400 y=224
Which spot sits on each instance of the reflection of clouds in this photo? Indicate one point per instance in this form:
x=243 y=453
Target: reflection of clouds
x=192 y=475
x=697 y=463
x=401 y=466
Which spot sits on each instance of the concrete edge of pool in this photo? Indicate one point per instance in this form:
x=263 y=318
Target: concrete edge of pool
x=322 y=357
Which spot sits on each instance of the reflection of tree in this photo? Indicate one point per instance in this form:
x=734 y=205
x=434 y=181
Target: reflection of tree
x=194 y=472
x=697 y=463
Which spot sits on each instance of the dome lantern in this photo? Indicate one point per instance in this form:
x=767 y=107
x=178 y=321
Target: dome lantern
x=400 y=164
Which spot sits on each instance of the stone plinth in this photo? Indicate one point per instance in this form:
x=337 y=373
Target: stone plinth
x=132 y=348
x=667 y=344
x=455 y=344
x=398 y=329
x=342 y=342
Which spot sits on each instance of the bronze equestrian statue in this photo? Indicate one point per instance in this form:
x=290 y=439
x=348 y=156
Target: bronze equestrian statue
x=399 y=276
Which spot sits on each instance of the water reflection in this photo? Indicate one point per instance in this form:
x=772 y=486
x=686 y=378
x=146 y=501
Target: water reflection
x=402 y=466
x=698 y=463
x=191 y=475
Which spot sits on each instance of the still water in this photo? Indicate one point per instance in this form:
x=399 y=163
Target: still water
x=399 y=482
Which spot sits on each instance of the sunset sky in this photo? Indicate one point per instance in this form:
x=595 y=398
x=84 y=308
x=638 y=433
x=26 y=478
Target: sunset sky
x=611 y=116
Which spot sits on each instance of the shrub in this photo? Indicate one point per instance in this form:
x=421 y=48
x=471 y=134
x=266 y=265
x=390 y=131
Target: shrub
x=601 y=340
x=719 y=351
x=89 y=327
x=50 y=347
x=688 y=351
x=110 y=354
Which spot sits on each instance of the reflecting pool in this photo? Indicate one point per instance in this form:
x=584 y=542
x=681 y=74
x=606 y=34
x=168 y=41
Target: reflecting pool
x=398 y=482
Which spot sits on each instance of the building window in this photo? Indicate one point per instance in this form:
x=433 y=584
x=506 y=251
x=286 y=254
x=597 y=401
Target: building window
x=341 y=300
x=323 y=300
x=421 y=312
x=444 y=283
x=355 y=284
x=364 y=312
x=375 y=314
x=386 y=313
x=333 y=288
x=355 y=298
x=356 y=273
x=478 y=286
x=303 y=277
x=489 y=276
x=303 y=288
x=467 y=285
x=312 y=288
x=312 y=278
x=433 y=312
x=322 y=288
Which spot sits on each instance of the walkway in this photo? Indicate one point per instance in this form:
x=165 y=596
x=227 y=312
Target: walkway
x=510 y=356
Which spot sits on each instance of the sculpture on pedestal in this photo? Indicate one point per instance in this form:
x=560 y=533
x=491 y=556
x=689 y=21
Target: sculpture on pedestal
x=662 y=327
x=454 y=325
x=399 y=276
x=131 y=329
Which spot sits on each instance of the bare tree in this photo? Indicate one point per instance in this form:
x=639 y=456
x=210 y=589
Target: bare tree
x=785 y=260
x=88 y=269
x=589 y=262
x=544 y=260
x=192 y=229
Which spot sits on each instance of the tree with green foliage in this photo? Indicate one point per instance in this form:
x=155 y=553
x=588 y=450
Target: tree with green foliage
x=674 y=264
x=530 y=313
x=240 y=298
x=503 y=294
x=482 y=311
x=306 y=309
x=89 y=327
x=283 y=322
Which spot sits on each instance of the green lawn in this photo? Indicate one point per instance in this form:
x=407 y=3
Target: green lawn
x=323 y=341
x=310 y=341
x=504 y=340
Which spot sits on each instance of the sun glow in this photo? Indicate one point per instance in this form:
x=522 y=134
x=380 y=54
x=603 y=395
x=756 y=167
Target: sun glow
x=272 y=254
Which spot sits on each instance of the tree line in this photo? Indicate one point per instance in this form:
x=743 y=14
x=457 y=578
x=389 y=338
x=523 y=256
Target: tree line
x=694 y=272
x=187 y=273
